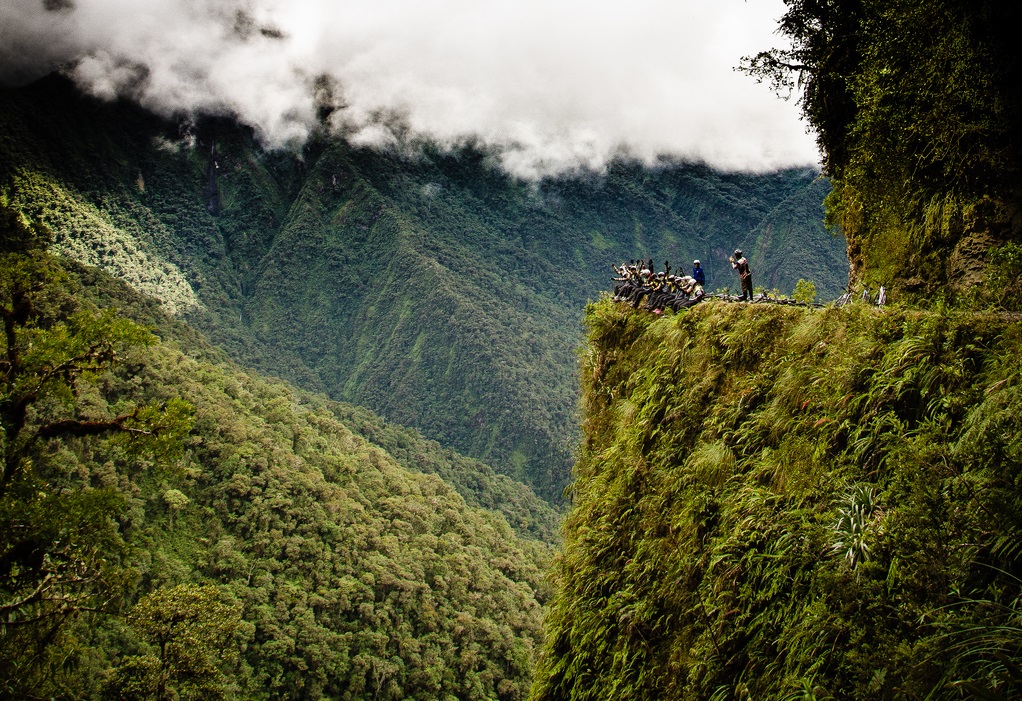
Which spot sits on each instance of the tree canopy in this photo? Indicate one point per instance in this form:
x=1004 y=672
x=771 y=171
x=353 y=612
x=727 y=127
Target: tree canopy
x=917 y=110
x=173 y=527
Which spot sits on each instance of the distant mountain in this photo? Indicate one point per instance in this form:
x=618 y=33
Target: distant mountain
x=426 y=285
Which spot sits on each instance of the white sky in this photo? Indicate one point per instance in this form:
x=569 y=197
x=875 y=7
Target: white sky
x=557 y=84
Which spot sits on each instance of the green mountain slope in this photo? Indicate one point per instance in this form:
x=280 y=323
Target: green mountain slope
x=781 y=249
x=477 y=483
x=430 y=288
x=341 y=570
x=780 y=503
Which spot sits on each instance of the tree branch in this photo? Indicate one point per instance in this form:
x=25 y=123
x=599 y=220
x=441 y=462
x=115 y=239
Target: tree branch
x=36 y=593
x=77 y=427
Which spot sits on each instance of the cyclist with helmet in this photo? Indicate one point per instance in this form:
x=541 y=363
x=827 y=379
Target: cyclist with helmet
x=698 y=274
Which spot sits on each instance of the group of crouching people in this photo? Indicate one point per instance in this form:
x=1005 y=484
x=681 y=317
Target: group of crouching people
x=640 y=286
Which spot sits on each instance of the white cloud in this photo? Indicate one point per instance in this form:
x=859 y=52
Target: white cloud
x=556 y=83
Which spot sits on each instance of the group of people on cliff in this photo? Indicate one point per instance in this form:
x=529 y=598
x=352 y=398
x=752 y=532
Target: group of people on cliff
x=638 y=284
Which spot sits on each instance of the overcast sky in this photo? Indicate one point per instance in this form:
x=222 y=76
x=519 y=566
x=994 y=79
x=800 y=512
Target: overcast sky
x=556 y=84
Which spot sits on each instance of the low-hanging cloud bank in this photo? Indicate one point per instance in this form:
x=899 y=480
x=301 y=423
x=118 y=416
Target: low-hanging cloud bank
x=553 y=85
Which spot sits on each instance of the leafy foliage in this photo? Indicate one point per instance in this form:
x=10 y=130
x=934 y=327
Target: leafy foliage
x=805 y=292
x=852 y=530
x=273 y=530
x=779 y=503
x=917 y=111
x=191 y=634
x=1002 y=280
x=59 y=551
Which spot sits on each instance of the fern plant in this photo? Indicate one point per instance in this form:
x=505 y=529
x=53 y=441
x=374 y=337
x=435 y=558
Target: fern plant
x=852 y=528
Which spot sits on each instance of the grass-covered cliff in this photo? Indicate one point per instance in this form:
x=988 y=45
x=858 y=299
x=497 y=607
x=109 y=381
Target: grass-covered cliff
x=782 y=503
x=778 y=503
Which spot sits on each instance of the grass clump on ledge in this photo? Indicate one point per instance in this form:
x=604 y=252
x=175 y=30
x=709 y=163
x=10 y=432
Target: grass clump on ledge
x=775 y=502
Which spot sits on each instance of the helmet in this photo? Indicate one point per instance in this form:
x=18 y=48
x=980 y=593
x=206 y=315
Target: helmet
x=695 y=262
x=738 y=253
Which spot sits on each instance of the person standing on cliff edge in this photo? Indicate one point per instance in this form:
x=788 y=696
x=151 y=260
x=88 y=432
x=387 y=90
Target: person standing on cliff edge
x=739 y=263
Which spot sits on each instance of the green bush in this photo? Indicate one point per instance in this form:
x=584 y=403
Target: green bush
x=1002 y=282
x=805 y=292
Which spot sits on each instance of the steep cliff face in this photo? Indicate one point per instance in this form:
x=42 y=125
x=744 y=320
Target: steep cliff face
x=784 y=503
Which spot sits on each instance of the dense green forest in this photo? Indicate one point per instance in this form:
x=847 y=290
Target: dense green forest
x=173 y=527
x=426 y=285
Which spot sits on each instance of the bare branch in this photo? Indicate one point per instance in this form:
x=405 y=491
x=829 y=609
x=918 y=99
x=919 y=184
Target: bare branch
x=77 y=427
x=36 y=593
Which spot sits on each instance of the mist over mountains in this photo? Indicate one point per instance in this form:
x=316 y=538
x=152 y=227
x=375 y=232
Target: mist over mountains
x=552 y=87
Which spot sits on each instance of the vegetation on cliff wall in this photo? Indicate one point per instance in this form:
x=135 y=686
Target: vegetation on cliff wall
x=917 y=109
x=793 y=503
x=780 y=503
x=433 y=289
x=174 y=527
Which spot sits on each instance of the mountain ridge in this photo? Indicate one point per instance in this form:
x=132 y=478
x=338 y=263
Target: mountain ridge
x=347 y=268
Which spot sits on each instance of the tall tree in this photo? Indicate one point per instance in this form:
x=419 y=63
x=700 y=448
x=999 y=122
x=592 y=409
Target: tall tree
x=917 y=111
x=190 y=632
x=59 y=542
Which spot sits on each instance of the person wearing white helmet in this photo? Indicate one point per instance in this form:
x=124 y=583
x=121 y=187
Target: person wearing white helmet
x=647 y=277
x=698 y=274
x=621 y=278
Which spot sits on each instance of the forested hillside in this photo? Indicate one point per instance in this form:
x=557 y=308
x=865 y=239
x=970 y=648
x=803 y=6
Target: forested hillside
x=425 y=285
x=174 y=527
